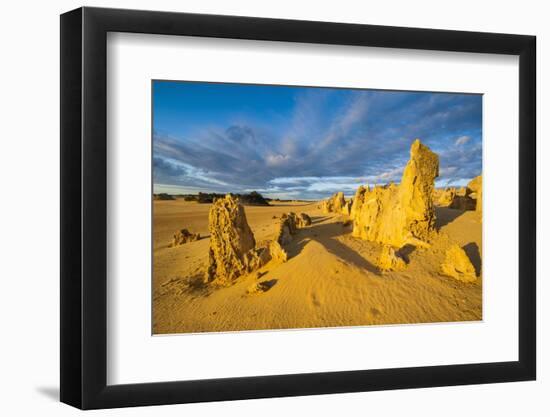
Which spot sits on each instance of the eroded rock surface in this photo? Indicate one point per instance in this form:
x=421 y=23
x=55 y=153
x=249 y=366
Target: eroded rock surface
x=335 y=204
x=183 y=236
x=476 y=188
x=458 y=199
x=231 y=239
x=389 y=260
x=463 y=203
x=404 y=214
x=457 y=265
x=233 y=250
x=287 y=228
x=303 y=220
x=358 y=200
x=346 y=209
x=446 y=197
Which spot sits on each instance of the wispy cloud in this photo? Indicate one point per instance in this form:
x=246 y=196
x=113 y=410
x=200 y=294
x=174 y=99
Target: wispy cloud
x=318 y=141
x=462 y=140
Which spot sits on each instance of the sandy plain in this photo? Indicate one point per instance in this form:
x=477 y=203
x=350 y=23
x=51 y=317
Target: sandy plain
x=330 y=279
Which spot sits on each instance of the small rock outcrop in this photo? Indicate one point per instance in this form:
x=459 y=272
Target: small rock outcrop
x=303 y=220
x=233 y=250
x=339 y=202
x=288 y=225
x=475 y=186
x=404 y=214
x=389 y=260
x=346 y=209
x=457 y=265
x=231 y=239
x=287 y=228
x=334 y=204
x=260 y=287
x=463 y=203
x=446 y=197
x=458 y=199
x=183 y=236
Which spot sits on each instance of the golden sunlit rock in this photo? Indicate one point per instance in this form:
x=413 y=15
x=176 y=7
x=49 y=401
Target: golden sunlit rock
x=184 y=236
x=389 y=260
x=404 y=214
x=457 y=265
x=475 y=186
x=230 y=240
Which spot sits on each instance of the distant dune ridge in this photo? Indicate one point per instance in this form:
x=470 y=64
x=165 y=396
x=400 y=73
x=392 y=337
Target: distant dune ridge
x=327 y=265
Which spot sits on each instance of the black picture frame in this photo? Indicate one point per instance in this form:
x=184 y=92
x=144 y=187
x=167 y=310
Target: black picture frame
x=84 y=207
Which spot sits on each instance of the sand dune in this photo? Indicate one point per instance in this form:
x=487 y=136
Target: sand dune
x=331 y=279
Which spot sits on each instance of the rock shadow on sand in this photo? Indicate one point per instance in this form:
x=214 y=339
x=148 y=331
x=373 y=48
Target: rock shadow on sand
x=326 y=235
x=445 y=215
x=405 y=252
x=472 y=250
x=319 y=219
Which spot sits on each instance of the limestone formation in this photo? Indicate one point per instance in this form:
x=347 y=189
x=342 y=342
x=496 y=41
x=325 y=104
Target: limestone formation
x=446 y=197
x=334 y=204
x=260 y=256
x=458 y=199
x=230 y=241
x=287 y=227
x=416 y=193
x=346 y=209
x=233 y=250
x=463 y=203
x=457 y=265
x=358 y=200
x=404 y=214
x=277 y=252
x=476 y=188
x=303 y=220
x=183 y=236
x=339 y=202
x=463 y=192
x=389 y=260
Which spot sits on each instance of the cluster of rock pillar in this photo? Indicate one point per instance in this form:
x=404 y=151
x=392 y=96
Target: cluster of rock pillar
x=233 y=251
x=392 y=215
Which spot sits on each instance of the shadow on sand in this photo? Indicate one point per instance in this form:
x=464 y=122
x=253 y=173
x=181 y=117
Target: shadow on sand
x=267 y=285
x=445 y=215
x=472 y=250
x=319 y=219
x=326 y=235
x=405 y=252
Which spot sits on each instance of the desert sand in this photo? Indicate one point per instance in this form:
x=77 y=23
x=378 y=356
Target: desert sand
x=331 y=279
x=389 y=255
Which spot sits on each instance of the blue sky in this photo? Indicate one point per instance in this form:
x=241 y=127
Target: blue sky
x=304 y=142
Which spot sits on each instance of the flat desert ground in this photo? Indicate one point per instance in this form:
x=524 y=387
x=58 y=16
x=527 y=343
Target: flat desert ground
x=330 y=279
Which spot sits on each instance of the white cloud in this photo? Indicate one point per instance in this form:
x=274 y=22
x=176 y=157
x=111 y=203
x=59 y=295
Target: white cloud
x=274 y=160
x=462 y=140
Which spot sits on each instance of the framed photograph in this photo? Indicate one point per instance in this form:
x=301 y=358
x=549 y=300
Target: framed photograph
x=257 y=208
